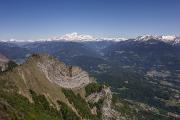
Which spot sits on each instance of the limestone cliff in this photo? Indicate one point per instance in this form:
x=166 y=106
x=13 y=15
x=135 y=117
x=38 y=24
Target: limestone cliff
x=63 y=75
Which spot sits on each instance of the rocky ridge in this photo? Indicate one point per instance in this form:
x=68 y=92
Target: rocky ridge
x=107 y=111
x=64 y=75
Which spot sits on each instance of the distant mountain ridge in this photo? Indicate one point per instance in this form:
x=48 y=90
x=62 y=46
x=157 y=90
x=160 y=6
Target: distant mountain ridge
x=76 y=37
x=165 y=38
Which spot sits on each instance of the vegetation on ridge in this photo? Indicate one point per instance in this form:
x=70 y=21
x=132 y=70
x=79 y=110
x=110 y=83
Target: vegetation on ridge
x=92 y=88
x=79 y=103
x=17 y=107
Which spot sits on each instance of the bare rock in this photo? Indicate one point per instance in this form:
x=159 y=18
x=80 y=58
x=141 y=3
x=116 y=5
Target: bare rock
x=64 y=75
x=3 y=62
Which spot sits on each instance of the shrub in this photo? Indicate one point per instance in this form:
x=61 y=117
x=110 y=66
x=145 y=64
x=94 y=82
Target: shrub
x=93 y=87
x=79 y=103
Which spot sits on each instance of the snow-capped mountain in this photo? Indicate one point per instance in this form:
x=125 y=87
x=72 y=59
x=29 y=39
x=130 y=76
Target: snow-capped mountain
x=116 y=39
x=168 y=37
x=84 y=37
x=75 y=37
x=146 y=38
x=165 y=38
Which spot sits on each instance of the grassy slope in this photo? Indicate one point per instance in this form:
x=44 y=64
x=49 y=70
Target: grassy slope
x=16 y=107
x=26 y=77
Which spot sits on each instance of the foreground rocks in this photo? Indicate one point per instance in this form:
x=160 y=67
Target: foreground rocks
x=107 y=110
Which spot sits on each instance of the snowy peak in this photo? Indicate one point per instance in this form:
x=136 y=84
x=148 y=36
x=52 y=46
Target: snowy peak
x=146 y=37
x=165 y=38
x=84 y=37
x=75 y=37
x=168 y=37
x=116 y=39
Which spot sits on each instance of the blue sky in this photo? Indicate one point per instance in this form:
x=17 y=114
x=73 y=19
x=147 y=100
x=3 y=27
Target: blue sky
x=34 y=19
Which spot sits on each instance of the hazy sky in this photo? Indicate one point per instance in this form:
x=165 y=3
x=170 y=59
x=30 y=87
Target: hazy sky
x=34 y=19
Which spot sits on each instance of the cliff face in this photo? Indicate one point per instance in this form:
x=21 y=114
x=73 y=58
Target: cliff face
x=3 y=62
x=61 y=74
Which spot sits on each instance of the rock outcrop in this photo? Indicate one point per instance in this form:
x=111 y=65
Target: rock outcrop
x=107 y=110
x=3 y=62
x=64 y=75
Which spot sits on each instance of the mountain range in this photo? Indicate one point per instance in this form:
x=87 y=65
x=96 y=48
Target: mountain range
x=76 y=37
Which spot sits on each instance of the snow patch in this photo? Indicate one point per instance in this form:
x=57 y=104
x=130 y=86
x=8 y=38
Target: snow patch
x=169 y=37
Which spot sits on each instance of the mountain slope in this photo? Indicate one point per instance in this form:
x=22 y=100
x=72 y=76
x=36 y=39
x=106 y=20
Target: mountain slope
x=144 y=55
x=48 y=84
x=44 y=74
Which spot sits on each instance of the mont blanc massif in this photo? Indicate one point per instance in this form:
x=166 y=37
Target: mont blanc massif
x=80 y=77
